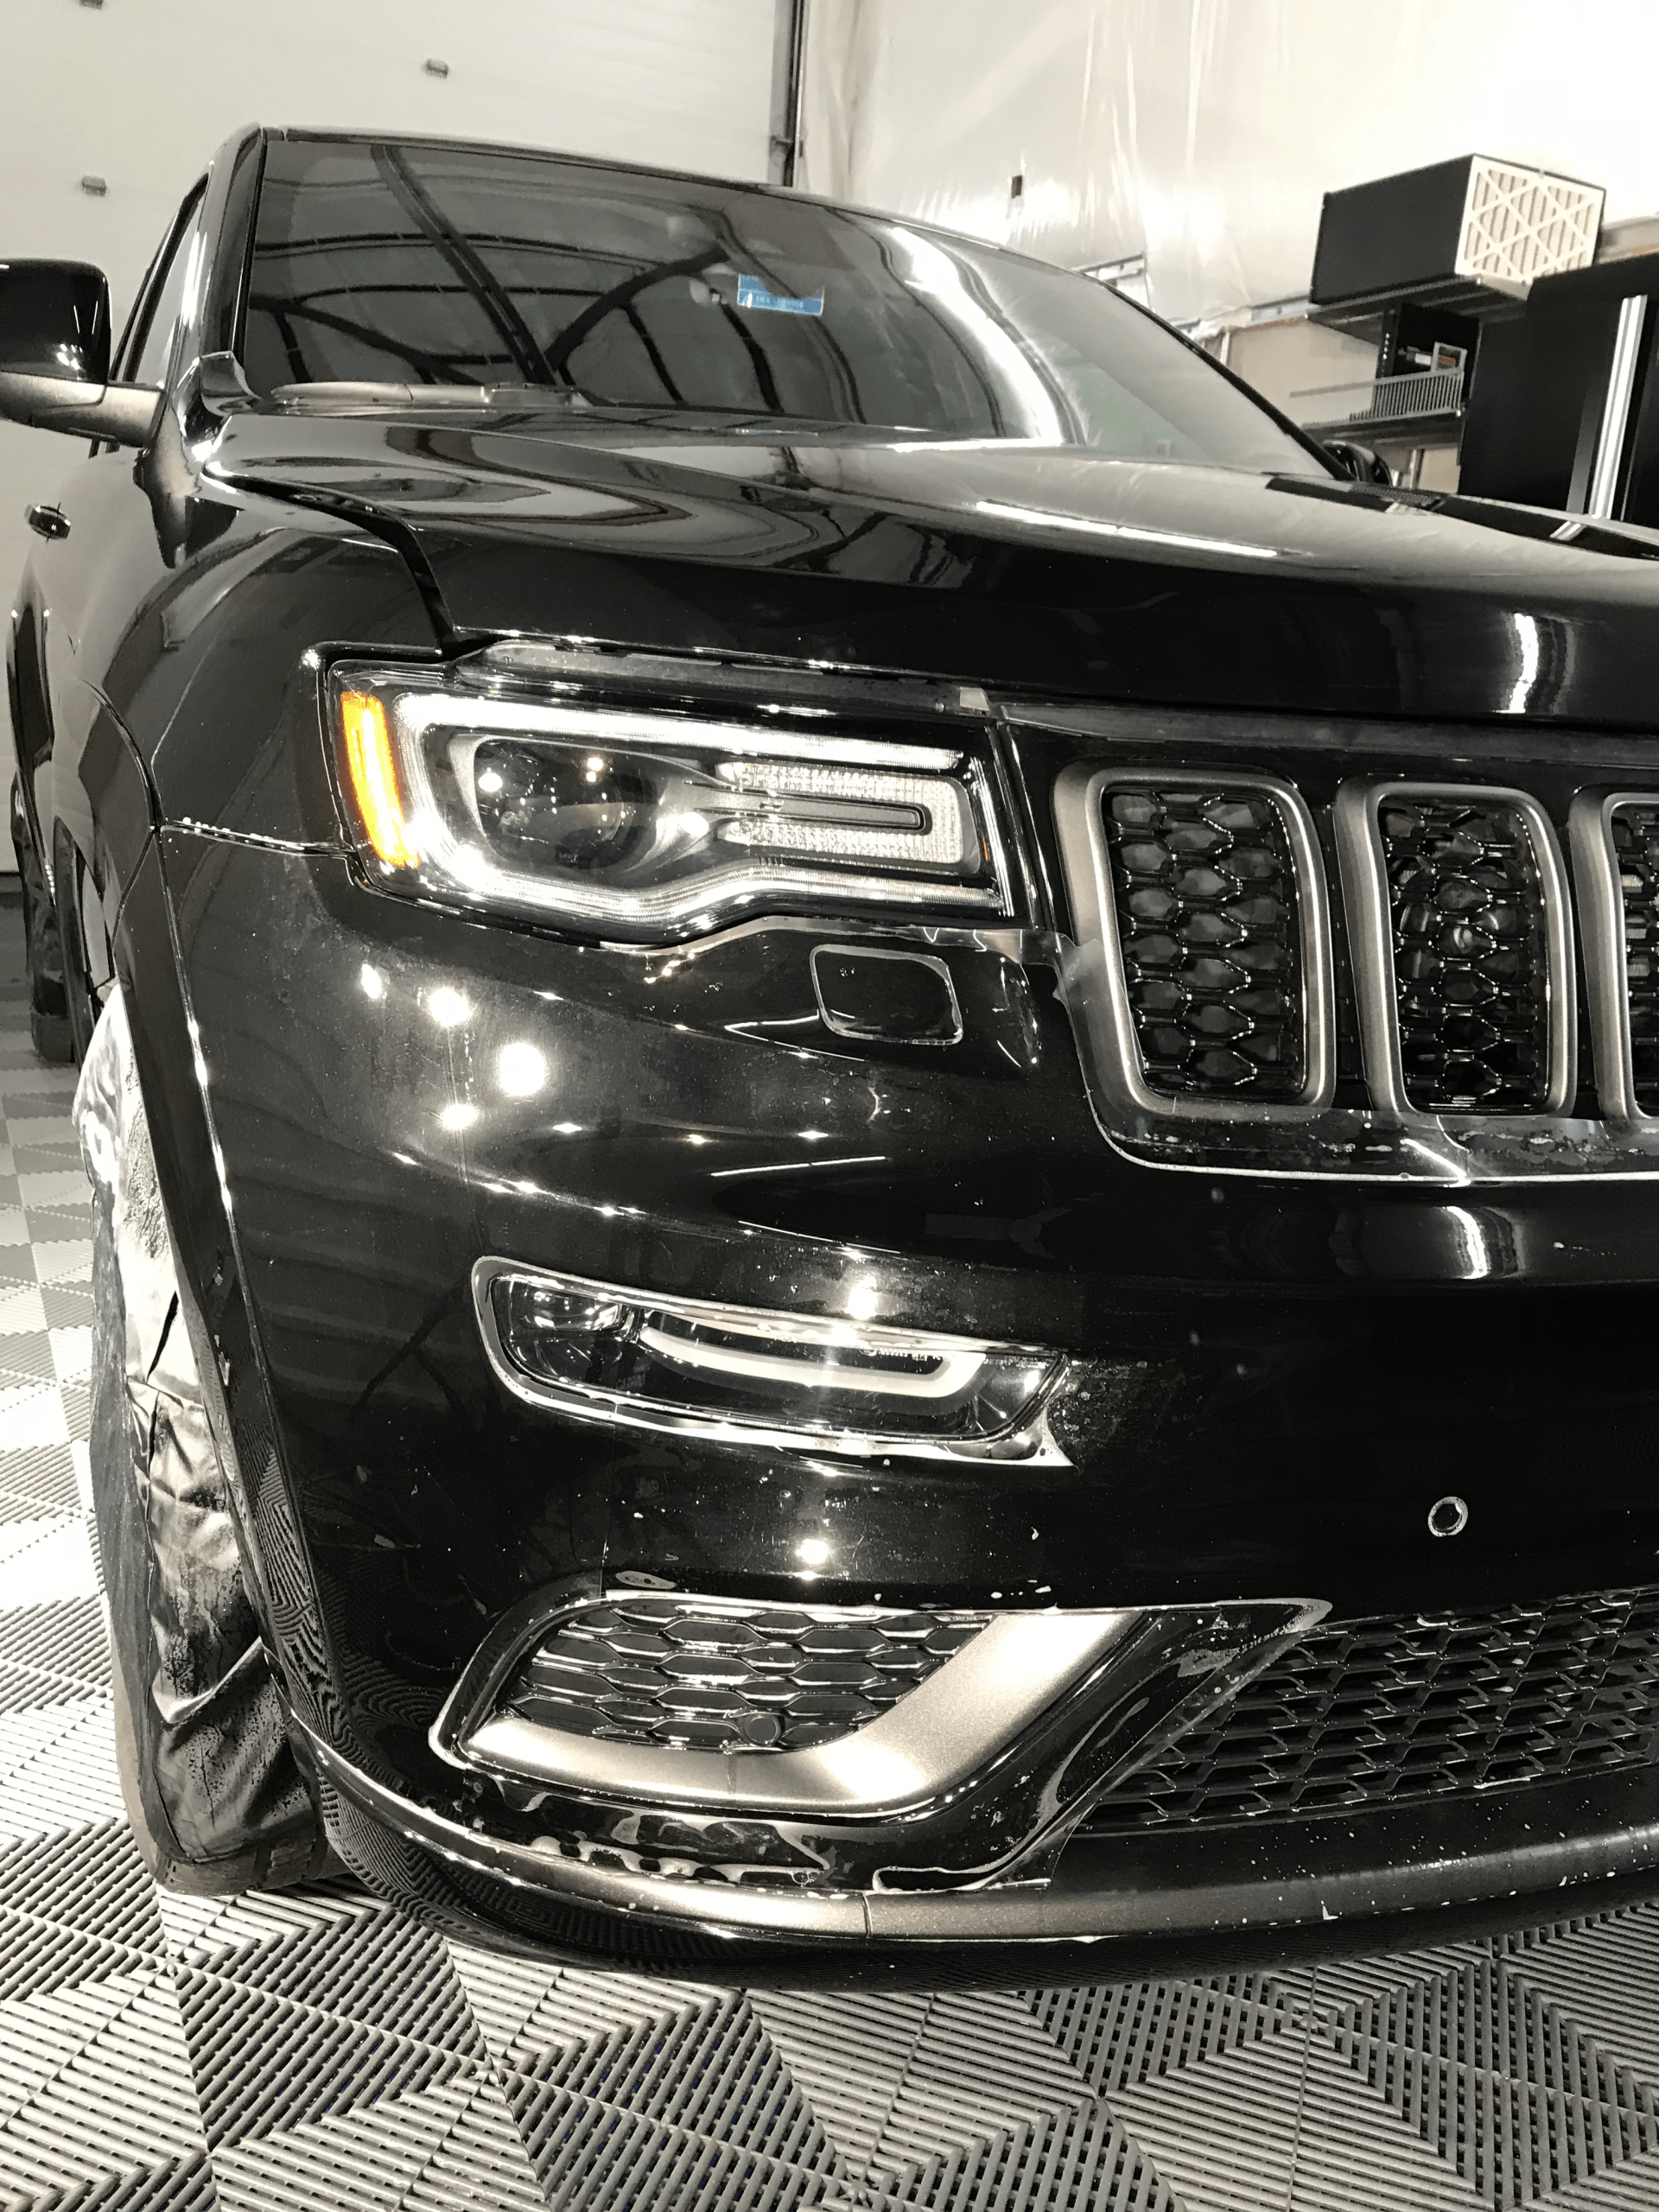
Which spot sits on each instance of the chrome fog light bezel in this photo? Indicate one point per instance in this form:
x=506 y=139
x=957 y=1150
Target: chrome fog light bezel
x=1024 y=1436
x=973 y=1777
x=958 y=1722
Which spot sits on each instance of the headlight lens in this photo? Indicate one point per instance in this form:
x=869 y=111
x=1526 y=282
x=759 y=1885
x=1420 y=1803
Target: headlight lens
x=632 y=822
x=664 y=1361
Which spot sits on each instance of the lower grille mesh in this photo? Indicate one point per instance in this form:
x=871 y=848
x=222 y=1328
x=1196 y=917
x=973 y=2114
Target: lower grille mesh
x=710 y=1674
x=1388 y=1712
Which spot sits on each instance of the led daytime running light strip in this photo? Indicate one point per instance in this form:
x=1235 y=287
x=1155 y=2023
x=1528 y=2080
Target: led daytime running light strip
x=949 y=1373
x=419 y=711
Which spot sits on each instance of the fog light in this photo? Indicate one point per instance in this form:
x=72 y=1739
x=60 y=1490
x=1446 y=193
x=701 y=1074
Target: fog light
x=597 y=1350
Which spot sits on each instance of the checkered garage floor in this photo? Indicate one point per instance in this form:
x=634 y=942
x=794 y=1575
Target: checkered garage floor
x=316 y=2048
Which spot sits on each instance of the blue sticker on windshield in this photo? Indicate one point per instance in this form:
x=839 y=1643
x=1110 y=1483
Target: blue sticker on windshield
x=751 y=293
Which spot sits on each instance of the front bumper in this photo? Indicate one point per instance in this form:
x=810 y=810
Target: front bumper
x=1274 y=1383
x=1568 y=1841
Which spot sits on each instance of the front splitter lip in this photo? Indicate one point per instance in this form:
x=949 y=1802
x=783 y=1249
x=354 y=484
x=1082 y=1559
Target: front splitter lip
x=1095 y=1897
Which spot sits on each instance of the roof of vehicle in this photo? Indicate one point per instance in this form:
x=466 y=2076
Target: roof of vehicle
x=299 y=132
x=305 y=132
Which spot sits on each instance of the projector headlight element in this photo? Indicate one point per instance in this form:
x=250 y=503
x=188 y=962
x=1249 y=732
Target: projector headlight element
x=631 y=821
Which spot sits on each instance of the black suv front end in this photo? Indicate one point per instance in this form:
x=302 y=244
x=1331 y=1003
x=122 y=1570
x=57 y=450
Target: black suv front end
x=905 y=1089
x=953 y=1462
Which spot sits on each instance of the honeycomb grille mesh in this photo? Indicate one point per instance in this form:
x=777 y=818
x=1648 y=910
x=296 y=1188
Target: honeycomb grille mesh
x=1388 y=1712
x=1205 y=890
x=708 y=1674
x=1470 y=954
x=1634 y=827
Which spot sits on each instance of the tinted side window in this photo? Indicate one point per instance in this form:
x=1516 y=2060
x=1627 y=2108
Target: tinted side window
x=148 y=349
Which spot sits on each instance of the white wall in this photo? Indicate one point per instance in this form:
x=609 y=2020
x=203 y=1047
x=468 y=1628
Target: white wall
x=1204 y=133
x=1281 y=359
x=140 y=92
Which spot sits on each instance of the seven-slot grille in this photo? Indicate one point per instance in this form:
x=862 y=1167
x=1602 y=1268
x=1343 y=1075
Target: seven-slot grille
x=1394 y=1711
x=1471 y=959
x=1458 y=980
x=1204 y=892
x=716 y=1674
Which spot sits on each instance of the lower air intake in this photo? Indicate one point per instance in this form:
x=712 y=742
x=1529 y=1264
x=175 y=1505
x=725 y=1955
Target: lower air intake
x=713 y=1675
x=1204 y=888
x=1471 y=953
x=1391 y=1711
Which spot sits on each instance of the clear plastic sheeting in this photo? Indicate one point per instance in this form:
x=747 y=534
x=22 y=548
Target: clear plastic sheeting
x=213 y=1789
x=1204 y=134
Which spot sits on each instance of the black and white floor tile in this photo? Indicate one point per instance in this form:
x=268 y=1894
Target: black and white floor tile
x=316 y=2049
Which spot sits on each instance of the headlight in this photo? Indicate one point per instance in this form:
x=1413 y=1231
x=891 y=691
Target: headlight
x=640 y=822
x=602 y=1352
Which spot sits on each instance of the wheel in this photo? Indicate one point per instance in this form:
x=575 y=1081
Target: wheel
x=48 y=1009
x=216 y=1800
x=81 y=999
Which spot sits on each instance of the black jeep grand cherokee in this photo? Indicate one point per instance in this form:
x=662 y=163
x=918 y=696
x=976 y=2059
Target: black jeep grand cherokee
x=873 y=1102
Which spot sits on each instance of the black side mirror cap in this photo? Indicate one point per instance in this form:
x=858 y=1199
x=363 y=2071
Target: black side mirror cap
x=55 y=355
x=55 y=320
x=1358 y=461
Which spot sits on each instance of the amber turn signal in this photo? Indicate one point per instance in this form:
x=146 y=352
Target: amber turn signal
x=374 y=777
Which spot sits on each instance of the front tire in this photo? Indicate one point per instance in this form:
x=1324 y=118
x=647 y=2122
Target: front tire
x=216 y=1800
x=49 y=1026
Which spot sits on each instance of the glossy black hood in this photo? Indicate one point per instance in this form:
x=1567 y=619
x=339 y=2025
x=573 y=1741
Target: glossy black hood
x=1050 y=571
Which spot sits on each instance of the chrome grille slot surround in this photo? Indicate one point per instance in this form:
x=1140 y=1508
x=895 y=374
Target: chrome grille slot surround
x=1201 y=899
x=1371 y=1127
x=1470 y=970
x=1615 y=841
x=1461 y=933
x=1634 y=824
x=1393 y=1711
x=723 y=1676
x=1210 y=937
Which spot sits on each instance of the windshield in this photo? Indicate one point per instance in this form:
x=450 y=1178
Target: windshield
x=398 y=263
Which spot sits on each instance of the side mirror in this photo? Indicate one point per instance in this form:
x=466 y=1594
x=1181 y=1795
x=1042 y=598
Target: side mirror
x=55 y=320
x=1358 y=461
x=55 y=355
